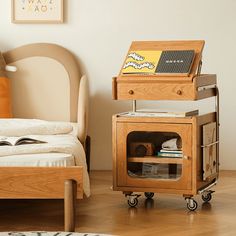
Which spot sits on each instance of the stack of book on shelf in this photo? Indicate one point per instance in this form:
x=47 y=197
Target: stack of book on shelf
x=170 y=153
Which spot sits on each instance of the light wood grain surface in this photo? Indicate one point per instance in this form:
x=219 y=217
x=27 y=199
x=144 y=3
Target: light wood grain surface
x=196 y=45
x=38 y=182
x=189 y=130
x=106 y=211
x=155 y=87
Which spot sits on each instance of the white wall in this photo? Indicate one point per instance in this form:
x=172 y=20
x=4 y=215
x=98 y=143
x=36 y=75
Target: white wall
x=99 y=32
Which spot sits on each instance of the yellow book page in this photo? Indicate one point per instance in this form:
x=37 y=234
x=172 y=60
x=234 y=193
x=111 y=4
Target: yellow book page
x=141 y=62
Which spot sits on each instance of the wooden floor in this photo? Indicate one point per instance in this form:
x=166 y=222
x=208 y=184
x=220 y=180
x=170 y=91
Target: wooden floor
x=107 y=212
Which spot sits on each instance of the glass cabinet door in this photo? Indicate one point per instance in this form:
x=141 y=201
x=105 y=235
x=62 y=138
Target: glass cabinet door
x=154 y=155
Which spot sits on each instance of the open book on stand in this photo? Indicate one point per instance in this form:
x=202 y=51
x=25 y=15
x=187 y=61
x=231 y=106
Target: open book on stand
x=158 y=62
x=14 y=141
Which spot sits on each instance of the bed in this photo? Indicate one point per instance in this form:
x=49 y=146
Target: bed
x=47 y=87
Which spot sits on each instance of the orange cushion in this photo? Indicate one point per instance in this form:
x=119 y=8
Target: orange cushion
x=5 y=98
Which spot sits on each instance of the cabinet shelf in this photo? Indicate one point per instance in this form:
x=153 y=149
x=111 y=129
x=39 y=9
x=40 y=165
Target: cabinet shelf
x=148 y=159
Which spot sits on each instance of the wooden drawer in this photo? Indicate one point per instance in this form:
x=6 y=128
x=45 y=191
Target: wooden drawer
x=158 y=91
x=160 y=88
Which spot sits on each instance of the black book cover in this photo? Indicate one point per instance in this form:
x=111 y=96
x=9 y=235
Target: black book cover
x=178 y=61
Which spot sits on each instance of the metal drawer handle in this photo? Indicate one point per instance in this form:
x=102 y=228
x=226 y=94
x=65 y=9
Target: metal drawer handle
x=131 y=92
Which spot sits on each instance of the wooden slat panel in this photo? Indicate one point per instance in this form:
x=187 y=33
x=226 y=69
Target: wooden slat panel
x=154 y=78
x=114 y=150
x=197 y=45
x=174 y=120
x=38 y=182
x=154 y=190
x=206 y=94
x=114 y=88
x=156 y=160
x=204 y=79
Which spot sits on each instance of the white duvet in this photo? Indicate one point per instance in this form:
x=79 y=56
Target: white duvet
x=21 y=127
x=57 y=136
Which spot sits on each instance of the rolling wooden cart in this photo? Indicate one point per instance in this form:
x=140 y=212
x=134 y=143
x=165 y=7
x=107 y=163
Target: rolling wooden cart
x=137 y=139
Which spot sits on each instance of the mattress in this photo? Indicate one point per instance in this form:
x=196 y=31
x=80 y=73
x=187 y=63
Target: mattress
x=39 y=160
x=61 y=148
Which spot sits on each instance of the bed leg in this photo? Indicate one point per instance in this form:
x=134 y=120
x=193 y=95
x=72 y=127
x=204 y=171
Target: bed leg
x=70 y=205
x=87 y=151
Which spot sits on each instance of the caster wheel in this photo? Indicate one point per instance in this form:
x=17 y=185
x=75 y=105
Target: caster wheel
x=207 y=197
x=133 y=202
x=149 y=195
x=192 y=205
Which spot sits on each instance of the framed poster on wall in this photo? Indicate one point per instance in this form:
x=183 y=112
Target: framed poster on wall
x=37 y=11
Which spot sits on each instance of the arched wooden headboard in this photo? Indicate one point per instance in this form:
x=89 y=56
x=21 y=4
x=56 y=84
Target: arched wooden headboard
x=46 y=84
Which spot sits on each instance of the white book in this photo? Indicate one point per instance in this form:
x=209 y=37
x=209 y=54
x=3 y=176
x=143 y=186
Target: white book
x=171 y=151
x=160 y=113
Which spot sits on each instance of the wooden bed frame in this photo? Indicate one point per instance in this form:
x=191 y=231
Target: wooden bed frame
x=38 y=65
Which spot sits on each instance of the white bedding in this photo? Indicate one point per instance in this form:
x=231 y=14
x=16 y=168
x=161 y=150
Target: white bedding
x=39 y=160
x=57 y=135
x=21 y=127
